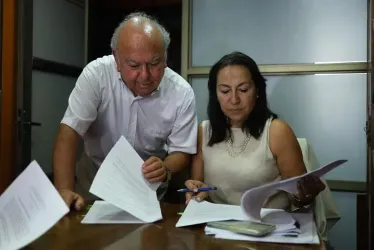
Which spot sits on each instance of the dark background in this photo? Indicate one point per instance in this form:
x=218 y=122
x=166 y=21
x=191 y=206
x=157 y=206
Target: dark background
x=104 y=17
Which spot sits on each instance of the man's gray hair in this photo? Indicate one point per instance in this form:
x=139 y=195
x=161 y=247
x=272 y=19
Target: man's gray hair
x=144 y=16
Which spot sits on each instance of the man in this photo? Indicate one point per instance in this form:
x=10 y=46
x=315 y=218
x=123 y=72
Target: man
x=130 y=93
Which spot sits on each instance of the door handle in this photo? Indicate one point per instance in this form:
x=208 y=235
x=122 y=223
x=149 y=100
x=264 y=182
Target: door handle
x=23 y=127
x=38 y=124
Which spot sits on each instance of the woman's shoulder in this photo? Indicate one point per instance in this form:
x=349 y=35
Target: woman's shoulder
x=278 y=126
x=280 y=133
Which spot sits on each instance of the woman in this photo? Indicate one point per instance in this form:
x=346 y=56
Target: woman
x=244 y=145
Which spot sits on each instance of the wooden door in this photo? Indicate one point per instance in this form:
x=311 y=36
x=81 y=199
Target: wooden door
x=8 y=125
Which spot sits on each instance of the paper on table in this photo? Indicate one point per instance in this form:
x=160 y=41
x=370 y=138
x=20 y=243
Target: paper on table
x=28 y=208
x=308 y=233
x=202 y=212
x=120 y=181
x=253 y=200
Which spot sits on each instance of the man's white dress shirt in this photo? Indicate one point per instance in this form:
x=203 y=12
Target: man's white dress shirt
x=102 y=108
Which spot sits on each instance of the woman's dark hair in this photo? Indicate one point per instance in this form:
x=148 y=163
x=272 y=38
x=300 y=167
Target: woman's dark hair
x=255 y=123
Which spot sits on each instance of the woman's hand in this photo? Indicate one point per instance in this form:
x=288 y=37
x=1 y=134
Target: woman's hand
x=308 y=188
x=199 y=196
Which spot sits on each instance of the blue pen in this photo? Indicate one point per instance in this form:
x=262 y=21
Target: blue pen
x=185 y=190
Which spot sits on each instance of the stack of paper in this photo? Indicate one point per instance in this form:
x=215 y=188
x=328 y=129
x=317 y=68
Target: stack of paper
x=307 y=234
x=127 y=196
x=203 y=212
x=29 y=208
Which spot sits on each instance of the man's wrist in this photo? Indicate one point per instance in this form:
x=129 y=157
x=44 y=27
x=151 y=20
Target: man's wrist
x=167 y=172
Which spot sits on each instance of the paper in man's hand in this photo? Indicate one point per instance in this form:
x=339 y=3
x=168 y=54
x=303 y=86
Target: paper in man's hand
x=120 y=182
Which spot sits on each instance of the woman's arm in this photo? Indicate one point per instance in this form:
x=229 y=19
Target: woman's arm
x=287 y=152
x=197 y=163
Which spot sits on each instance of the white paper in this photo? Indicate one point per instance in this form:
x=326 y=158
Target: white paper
x=308 y=233
x=253 y=200
x=29 y=208
x=204 y=211
x=103 y=212
x=120 y=181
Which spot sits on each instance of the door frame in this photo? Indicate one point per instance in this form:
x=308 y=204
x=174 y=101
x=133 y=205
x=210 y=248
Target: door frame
x=8 y=125
x=370 y=168
x=24 y=84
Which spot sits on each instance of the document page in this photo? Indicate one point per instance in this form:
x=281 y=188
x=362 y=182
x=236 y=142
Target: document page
x=120 y=181
x=204 y=211
x=253 y=200
x=29 y=208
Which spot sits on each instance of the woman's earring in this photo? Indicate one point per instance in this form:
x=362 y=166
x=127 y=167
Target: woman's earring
x=227 y=119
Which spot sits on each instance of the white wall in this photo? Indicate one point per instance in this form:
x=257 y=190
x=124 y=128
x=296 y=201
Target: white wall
x=58 y=35
x=276 y=32
x=328 y=110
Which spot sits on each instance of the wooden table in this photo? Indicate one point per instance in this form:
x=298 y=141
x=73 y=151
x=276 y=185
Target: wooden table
x=69 y=233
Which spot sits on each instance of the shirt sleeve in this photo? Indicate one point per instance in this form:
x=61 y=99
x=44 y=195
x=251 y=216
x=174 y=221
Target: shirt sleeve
x=84 y=100
x=183 y=137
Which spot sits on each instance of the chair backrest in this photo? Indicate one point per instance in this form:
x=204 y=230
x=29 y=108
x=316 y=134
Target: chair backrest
x=310 y=164
x=325 y=209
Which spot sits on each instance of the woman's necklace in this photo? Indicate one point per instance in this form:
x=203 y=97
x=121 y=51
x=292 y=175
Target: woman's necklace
x=232 y=150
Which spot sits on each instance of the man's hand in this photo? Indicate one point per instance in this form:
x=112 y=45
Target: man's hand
x=153 y=170
x=72 y=199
